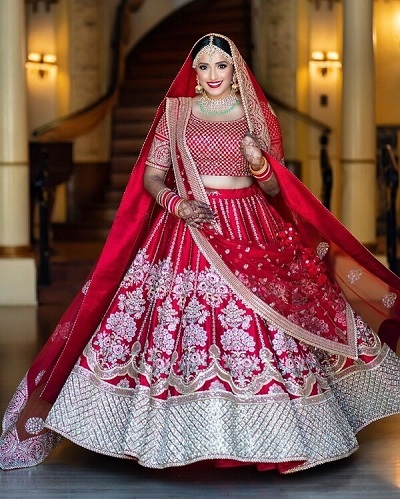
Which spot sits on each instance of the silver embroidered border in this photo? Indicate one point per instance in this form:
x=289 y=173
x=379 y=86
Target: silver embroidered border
x=217 y=425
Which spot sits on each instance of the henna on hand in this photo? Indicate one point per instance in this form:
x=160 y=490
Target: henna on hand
x=251 y=150
x=195 y=213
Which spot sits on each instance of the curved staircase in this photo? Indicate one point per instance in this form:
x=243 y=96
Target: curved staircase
x=150 y=68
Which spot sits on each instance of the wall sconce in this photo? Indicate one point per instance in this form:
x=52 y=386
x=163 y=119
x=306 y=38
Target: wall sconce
x=41 y=64
x=325 y=61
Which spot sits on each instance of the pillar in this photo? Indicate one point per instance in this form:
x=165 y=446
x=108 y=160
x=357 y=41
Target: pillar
x=17 y=264
x=358 y=122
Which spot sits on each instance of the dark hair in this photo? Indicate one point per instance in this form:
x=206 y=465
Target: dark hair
x=217 y=41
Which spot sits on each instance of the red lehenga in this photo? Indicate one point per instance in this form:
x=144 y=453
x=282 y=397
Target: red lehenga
x=254 y=340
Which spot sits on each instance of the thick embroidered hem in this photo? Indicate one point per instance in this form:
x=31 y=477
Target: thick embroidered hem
x=23 y=454
x=217 y=425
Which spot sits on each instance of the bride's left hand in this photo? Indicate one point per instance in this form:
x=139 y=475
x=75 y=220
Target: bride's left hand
x=251 y=151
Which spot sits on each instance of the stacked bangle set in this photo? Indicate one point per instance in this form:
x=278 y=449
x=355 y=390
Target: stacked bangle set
x=169 y=200
x=264 y=173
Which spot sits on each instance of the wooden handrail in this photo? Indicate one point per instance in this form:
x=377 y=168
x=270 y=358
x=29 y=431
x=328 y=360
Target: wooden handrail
x=83 y=121
x=298 y=114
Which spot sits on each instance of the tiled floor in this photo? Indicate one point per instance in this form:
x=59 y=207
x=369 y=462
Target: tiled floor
x=73 y=472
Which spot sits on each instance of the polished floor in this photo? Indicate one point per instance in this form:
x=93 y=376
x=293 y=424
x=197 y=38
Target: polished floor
x=71 y=472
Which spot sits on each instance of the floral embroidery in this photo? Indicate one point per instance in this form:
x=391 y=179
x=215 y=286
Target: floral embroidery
x=175 y=323
x=160 y=364
x=184 y=286
x=212 y=288
x=137 y=271
x=322 y=250
x=86 y=286
x=283 y=343
x=159 y=279
x=217 y=386
x=133 y=303
x=191 y=361
x=242 y=367
x=34 y=425
x=389 y=300
x=39 y=377
x=122 y=324
x=124 y=383
x=354 y=275
x=61 y=331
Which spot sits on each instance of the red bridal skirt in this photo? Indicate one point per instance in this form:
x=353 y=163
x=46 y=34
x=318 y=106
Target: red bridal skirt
x=182 y=370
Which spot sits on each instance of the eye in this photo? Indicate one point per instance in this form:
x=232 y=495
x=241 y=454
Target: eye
x=202 y=66
x=223 y=65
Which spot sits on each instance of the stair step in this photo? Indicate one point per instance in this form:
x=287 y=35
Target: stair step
x=81 y=231
x=152 y=97
x=149 y=81
x=104 y=212
x=165 y=71
x=124 y=163
x=129 y=129
x=114 y=195
x=126 y=145
x=119 y=179
x=135 y=113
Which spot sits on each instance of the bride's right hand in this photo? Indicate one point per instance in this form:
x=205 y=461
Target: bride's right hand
x=195 y=213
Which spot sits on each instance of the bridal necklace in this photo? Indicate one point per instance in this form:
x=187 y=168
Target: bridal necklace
x=215 y=107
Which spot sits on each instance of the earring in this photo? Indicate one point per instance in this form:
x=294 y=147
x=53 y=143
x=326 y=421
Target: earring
x=198 y=88
x=235 y=86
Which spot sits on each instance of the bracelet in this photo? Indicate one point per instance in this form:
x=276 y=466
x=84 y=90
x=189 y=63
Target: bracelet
x=264 y=166
x=169 y=200
x=177 y=206
x=267 y=176
x=160 y=194
x=264 y=173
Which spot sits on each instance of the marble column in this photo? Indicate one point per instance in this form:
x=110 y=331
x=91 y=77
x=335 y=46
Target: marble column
x=358 y=122
x=17 y=265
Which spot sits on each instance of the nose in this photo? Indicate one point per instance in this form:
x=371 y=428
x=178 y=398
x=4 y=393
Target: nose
x=213 y=73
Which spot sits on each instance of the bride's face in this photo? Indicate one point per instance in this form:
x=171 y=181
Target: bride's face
x=215 y=75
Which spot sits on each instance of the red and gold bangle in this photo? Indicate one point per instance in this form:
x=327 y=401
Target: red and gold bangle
x=260 y=171
x=177 y=206
x=169 y=200
x=160 y=195
x=264 y=173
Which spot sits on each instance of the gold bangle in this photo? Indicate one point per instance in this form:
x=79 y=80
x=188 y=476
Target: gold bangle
x=160 y=194
x=263 y=168
x=178 y=205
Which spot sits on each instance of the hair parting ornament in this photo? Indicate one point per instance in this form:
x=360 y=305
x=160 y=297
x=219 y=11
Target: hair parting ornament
x=210 y=50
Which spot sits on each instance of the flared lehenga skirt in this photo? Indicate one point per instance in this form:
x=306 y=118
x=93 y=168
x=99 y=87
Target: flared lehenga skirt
x=182 y=370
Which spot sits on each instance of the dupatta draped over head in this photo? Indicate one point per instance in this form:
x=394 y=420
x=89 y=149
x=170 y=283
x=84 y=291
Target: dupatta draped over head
x=371 y=289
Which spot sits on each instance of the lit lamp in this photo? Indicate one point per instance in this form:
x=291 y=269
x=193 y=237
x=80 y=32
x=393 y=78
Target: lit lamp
x=41 y=64
x=325 y=61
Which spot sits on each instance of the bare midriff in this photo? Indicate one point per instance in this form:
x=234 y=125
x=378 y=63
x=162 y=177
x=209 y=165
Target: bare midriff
x=226 y=182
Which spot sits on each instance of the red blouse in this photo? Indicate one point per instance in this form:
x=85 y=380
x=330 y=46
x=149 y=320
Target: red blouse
x=214 y=146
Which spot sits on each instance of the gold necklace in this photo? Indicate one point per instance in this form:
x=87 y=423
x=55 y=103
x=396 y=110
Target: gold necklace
x=215 y=107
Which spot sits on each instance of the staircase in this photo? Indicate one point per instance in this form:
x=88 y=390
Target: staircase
x=150 y=68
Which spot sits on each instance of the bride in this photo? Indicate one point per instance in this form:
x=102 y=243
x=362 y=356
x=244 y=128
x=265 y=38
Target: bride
x=230 y=316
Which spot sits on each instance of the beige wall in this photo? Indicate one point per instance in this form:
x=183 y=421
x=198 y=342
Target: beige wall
x=387 y=50
x=325 y=34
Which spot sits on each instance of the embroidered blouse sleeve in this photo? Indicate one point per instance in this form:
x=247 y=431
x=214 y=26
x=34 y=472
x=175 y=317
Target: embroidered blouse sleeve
x=159 y=155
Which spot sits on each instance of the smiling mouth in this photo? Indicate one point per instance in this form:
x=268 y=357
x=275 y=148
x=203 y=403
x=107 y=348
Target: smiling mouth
x=214 y=84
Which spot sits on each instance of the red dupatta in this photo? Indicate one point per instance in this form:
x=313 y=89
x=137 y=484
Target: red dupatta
x=377 y=286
